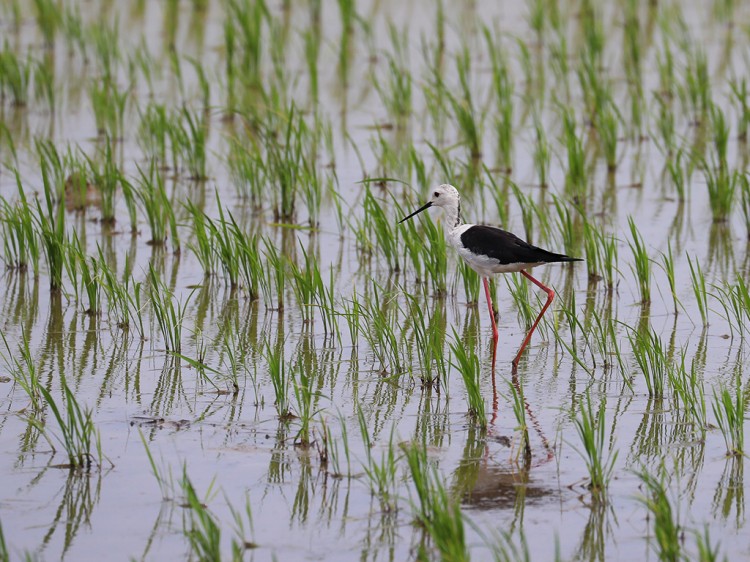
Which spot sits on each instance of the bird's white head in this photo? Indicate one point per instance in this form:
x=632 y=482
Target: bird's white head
x=447 y=197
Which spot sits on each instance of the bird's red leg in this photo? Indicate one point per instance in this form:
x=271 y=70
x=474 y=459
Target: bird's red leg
x=550 y=297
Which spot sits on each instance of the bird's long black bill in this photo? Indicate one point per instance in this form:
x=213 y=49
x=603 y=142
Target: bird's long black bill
x=422 y=208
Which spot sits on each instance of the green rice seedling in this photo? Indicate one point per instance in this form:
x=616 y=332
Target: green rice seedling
x=204 y=243
x=15 y=78
x=537 y=17
x=741 y=96
x=698 y=282
x=381 y=474
x=382 y=225
x=739 y=303
x=471 y=283
x=559 y=60
x=303 y=383
x=169 y=314
x=4 y=554
x=277 y=370
x=188 y=134
x=219 y=241
x=467 y=117
x=592 y=250
x=438 y=512
x=52 y=161
x=467 y=363
x=22 y=368
x=20 y=240
x=502 y=85
x=607 y=122
x=304 y=283
x=50 y=224
x=667 y=530
x=203 y=84
x=352 y=310
x=154 y=132
x=570 y=231
x=720 y=134
x=730 y=417
x=698 y=83
x=641 y=263
x=88 y=267
x=78 y=434
x=330 y=454
x=722 y=186
x=678 y=173
x=288 y=164
x=574 y=324
x=605 y=335
x=312 y=38
x=590 y=426
x=667 y=263
x=688 y=388
x=247 y=170
x=275 y=275
x=129 y=194
x=744 y=183
x=123 y=297
x=151 y=193
x=576 y=176
x=542 y=152
x=519 y=411
x=109 y=103
x=104 y=41
x=377 y=325
x=105 y=179
x=519 y=291
x=45 y=89
x=48 y=18
x=396 y=89
x=203 y=533
x=428 y=331
x=435 y=256
x=665 y=124
x=348 y=11
x=652 y=359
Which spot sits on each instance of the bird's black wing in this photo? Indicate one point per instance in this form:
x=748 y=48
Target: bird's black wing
x=506 y=247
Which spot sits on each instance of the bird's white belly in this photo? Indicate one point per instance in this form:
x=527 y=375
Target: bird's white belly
x=487 y=266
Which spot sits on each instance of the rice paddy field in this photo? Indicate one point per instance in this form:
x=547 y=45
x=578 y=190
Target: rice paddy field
x=218 y=342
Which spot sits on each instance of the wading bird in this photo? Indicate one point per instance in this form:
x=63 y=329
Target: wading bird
x=489 y=250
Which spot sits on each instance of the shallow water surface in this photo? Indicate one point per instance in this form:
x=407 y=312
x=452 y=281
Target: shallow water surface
x=305 y=405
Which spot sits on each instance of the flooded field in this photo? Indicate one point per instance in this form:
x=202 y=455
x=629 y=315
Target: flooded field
x=218 y=341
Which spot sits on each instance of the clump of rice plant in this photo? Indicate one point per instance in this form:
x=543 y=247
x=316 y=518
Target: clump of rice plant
x=591 y=427
x=730 y=416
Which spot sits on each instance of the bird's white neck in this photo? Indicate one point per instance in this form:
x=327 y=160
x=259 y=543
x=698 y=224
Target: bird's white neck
x=453 y=215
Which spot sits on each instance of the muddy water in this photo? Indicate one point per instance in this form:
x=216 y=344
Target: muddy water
x=236 y=450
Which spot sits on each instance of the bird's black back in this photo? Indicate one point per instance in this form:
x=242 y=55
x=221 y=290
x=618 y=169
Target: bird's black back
x=506 y=247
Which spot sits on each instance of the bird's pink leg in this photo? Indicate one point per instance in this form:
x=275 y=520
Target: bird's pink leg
x=495 y=334
x=550 y=297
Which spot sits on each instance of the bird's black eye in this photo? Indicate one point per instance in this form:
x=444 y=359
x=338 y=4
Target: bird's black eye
x=436 y=194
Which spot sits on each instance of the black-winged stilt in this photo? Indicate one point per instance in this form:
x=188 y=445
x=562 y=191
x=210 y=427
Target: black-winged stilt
x=489 y=250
